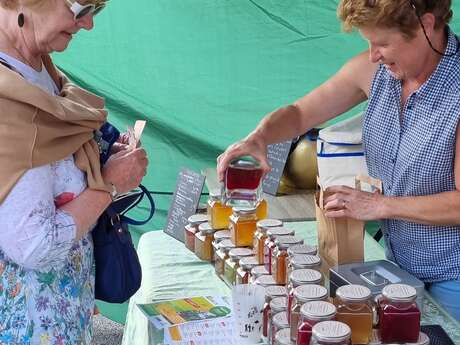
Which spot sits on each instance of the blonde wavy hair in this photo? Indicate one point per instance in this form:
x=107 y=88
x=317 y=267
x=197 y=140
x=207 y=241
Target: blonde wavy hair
x=396 y=14
x=13 y=4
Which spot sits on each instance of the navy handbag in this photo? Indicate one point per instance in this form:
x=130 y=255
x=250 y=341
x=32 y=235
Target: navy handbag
x=118 y=271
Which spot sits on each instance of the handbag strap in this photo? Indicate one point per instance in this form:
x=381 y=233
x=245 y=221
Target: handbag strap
x=131 y=221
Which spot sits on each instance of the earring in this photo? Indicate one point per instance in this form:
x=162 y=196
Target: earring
x=21 y=20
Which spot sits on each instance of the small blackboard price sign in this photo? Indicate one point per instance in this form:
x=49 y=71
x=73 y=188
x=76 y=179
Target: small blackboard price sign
x=185 y=202
x=277 y=155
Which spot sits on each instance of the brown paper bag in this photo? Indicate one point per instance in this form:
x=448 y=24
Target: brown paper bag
x=341 y=240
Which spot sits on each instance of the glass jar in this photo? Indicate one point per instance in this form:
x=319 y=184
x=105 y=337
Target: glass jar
x=203 y=241
x=303 y=261
x=243 y=273
x=221 y=255
x=279 y=322
x=283 y=337
x=302 y=249
x=310 y=314
x=279 y=257
x=354 y=308
x=302 y=295
x=331 y=333
x=399 y=316
x=232 y=263
x=261 y=235
x=276 y=306
x=243 y=226
x=269 y=244
x=262 y=209
x=256 y=272
x=271 y=293
x=301 y=277
x=191 y=229
x=218 y=213
x=219 y=236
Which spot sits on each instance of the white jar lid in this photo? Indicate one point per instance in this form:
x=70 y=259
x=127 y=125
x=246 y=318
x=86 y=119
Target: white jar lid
x=307 y=293
x=302 y=249
x=305 y=276
x=283 y=337
x=399 y=292
x=331 y=331
x=197 y=219
x=353 y=293
x=280 y=320
x=276 y=291
x=269 y=223
x=278 y=304
x=318 y=310
x=305 y=260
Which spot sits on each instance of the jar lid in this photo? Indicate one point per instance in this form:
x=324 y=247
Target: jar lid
x=304 y=260
x=238 y=253
x=305 y=276
x=226 y=245
x=331 y=331
x=279 y=231
x=280 y=320
x=215 y=194
x=205 y=228
x=284 y=242
x=307 y=293
x=399 y=292
x=353 y=293
x=264 y=224
x=423 y=339
x=265 y=281
x=276 y=291
x=318 y=310
x=249 y=262
x=244 y=210
x=278 y=304
x=283 y=337
x=222 y=235
x=302 y=249
x=258 y=271
x=245 y=162
x=197 y=219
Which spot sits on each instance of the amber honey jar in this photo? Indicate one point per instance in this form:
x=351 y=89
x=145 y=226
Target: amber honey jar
x=269 y=244
x=218 y=213
x=354 y=308
x=232 y=263
x=203 y=242
x=261 y=235
x=243 y=226
x=191 y=228
x=280 y=255
x=262 y=209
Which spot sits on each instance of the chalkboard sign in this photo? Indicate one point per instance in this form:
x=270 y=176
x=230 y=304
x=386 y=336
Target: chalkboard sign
x=277 y=155
x=185 y=202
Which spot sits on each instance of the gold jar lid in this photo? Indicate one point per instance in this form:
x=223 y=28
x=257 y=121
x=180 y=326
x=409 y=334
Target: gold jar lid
x=302 y=249
x=197 y=219
x=305 y=276
x=353 y=293
x=331 y=331
x=279 y=231
x=205 y=229
x=284 y=242
x=268 y=223
x=238 y=253
x=278 y=304
x=307 y=293
x=248 y=262
x=318 y=310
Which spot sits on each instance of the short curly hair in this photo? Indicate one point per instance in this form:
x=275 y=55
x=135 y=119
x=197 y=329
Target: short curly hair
x=398 y=14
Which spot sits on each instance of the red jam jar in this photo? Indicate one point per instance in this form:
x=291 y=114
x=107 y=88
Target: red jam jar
x=277 y=305
x=269 y=245
x=301 y=277
x=331 y=333
x=279 y=322
x=310 y=314
x=271 y=293
x=192 y=228
x=399 y=316
x=261 y=235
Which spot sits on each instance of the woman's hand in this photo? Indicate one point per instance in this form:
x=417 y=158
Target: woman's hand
x=343 y=201
x=125 y=169
x=247 y=146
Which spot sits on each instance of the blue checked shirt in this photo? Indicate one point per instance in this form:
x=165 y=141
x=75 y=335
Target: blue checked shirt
x=413 y=154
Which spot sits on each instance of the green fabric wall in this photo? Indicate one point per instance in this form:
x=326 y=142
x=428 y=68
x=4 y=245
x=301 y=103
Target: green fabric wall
x=204 y=72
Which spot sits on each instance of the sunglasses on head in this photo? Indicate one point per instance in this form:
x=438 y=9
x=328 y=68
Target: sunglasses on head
x=79 y=11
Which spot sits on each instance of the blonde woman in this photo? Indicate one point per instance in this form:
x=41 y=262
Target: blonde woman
x=410 y=76
x=53 y=188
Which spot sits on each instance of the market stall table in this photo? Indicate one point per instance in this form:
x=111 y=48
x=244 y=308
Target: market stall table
x=171 y=271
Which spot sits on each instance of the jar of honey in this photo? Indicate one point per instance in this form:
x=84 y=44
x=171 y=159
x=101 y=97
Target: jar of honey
x=261 y=235
x=354 y=308
x=243 y=226
x=279 y=322
x=269 y=244
x=256 y=272
x=271 y=293
x=279 y=257
x=262 y=209
x=218 y=213
x=302 y=295
x=283 y=337
x=221 y=256
x=310 y=314
x=331 y=333
x=243 y=273
x=232 y=263
x=191 y=229
x=399 y=316
x=203 y=242
x=304 y=261
x=301 y=277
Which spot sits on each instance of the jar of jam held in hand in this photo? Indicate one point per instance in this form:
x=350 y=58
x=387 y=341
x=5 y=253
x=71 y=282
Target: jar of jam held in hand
x=399 y=316
x=331 y=333
x=302 y=295
x=242 y=182
x=203 y=241
x=310 y=314
x=279 y=322
x=218 y=213
x=192 y=228
x=303 y=261
x=269 y=244
x=283 y=337
x=256 y=272
x=261 y=235
x=299 y=278
x=221 y=256
x=243 y=273
x=280 y=255
x=271 y=293
x=232 y=263
x=354 y=308
x=243 y=226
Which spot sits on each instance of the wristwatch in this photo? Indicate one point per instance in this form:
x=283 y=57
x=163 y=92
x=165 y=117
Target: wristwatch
x=113 y=192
